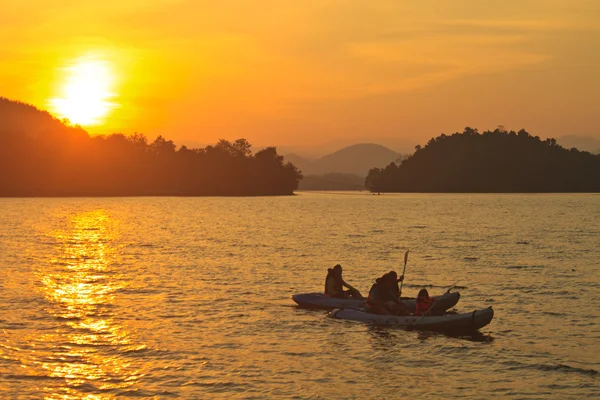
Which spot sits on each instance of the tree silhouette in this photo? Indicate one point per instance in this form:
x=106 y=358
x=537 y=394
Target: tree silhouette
x=492 y=161
x=41 y=156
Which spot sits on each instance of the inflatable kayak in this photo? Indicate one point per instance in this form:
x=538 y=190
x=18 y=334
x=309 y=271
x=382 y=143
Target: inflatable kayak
x=319 y=300
x=447 y=323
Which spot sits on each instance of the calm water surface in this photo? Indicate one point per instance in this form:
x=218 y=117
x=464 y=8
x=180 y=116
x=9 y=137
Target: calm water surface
x=190 y=297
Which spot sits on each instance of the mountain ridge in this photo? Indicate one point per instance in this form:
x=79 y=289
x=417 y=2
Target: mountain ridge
x=356 y=159
x=582 y=143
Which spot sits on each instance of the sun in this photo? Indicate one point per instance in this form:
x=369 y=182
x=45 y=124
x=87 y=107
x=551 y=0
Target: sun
x=85 y=91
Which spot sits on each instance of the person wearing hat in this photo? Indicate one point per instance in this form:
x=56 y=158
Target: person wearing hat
x=334 y=285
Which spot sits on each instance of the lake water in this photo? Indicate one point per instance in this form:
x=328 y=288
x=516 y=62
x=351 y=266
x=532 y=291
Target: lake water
x=191 y=297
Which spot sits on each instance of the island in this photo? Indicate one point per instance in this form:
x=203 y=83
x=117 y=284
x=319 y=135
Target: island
x=497 y=161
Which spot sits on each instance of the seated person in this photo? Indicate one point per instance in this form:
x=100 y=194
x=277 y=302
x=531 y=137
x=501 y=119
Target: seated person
x=424 y=303
x=334 y=285
x=394 y=277
x=375 y=303
x=382 y=300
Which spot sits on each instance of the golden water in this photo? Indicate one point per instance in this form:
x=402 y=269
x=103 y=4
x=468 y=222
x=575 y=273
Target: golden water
x=190 y=297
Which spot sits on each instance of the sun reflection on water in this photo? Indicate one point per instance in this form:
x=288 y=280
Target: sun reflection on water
x=80 y=289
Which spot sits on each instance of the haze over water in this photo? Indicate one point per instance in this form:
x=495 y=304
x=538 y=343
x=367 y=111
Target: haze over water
x=190 y=297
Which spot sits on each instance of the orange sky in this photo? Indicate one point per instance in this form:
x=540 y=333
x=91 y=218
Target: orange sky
x=311 y=72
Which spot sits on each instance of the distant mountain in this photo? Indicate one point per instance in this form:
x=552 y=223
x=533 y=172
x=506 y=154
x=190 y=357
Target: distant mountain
x=318 y=150
x=583 y=143
x=357 y=159
x=303 y=164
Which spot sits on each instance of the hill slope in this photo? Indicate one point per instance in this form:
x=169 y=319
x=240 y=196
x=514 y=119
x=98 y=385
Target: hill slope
x=17 y=118
x=42 y=156
x=495 y=161
x=303 y=164
x=356 y=159
x=583 y=143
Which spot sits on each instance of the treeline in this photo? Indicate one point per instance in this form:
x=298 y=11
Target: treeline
x=41 y=156
x=492 y=161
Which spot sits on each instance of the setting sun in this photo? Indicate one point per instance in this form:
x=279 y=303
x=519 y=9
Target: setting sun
x=85 y=91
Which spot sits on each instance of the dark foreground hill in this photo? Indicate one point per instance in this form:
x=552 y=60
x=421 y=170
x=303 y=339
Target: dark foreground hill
x=42 y=156
x=494 y=161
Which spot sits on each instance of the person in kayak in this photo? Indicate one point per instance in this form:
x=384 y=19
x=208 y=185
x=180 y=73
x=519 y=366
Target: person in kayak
x=394 y=277
x=334 y=285
x=375 y=303
x=424 y=303
x=393 y=301
x=382 y=300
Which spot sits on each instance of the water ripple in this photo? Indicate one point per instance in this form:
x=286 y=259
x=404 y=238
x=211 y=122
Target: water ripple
x=190 y=298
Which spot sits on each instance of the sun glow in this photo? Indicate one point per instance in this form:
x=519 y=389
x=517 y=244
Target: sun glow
x=85 y=92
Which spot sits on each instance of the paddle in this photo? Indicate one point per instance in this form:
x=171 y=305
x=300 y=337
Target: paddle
x=451 y=287
x=401 y=282
x=355 y=293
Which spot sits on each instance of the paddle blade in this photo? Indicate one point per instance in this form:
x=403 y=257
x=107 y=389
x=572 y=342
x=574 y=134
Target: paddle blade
x=406 y=257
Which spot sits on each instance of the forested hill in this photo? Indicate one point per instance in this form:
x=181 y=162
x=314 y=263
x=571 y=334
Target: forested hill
x=492 y=161
x=42 y=156
x=22 y=119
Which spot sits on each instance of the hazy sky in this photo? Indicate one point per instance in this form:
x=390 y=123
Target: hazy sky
x=309 y=72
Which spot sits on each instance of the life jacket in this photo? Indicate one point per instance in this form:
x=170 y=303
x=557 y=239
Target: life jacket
x=423 y=306
x=333 y=284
